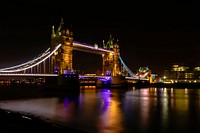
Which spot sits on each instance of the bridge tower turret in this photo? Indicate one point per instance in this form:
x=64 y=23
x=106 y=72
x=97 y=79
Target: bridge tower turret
x=61 y=60
x=111 y=63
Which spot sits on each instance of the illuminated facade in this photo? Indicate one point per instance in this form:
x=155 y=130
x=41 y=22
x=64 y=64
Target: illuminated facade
x=111 y=62
x=182 y=73
x=145 y=73
x=61 y=60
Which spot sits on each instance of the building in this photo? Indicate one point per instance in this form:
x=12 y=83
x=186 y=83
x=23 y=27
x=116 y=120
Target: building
x=182 y=73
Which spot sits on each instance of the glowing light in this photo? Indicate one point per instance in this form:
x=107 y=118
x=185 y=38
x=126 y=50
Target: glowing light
x=96 y=46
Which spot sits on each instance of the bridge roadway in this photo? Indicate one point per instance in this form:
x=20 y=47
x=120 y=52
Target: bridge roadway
x=25 y=75
x=50 y=79
x=49 y=75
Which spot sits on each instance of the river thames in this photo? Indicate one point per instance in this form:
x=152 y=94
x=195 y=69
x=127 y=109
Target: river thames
x=163 y=110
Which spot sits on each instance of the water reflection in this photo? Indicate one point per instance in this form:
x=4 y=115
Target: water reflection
x=104 y=96
x=110 y=116
x=119 y=110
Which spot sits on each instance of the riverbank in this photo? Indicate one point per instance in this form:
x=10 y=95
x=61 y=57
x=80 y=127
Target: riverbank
x=19 y=122
x=16 y=122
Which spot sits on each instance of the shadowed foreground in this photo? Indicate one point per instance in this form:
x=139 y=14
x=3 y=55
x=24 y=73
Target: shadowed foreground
x=16 y=122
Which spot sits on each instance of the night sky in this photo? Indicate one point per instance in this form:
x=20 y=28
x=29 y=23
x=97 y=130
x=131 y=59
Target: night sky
x=150 y=34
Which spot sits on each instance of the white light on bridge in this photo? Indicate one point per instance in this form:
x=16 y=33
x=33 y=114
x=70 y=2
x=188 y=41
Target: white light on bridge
x=32 y=64
x=92 y=47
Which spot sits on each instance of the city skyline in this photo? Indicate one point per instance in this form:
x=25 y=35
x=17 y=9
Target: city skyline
x=153 y=36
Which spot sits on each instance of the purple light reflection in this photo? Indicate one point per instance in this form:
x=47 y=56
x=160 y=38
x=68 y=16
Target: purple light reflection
x=105 y=95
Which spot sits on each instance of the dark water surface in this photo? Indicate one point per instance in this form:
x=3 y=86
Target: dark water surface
x=163 y=110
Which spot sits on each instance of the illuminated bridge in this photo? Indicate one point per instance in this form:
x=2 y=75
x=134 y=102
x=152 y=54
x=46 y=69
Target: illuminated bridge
x=57 y=60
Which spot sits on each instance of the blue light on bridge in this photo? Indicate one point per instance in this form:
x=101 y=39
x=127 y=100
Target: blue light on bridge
x=70 y=74
x=106 y=80
x=108 y=73
x=55 y=70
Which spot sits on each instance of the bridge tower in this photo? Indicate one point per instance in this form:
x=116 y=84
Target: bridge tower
x=111 y=63
x=61 y=60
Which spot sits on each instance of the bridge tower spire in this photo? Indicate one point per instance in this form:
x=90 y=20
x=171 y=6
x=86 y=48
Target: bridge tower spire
x=61 y=60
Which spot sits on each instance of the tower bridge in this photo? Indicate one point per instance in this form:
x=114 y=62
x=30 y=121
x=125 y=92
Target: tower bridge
x=57 y=61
